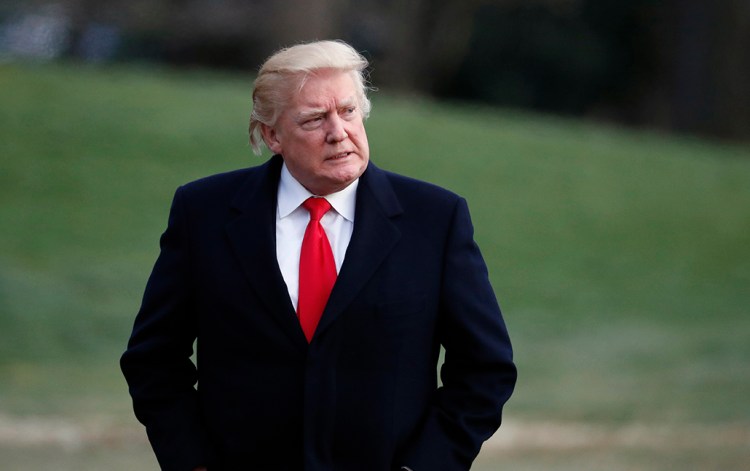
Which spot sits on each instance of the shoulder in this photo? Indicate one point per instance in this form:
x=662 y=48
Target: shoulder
x=228 y=184
x=218 y=183
x=413 y=192
x=403 y=183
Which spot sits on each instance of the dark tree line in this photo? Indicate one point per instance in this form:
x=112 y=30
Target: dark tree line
x=674 y=64
x=681 y=65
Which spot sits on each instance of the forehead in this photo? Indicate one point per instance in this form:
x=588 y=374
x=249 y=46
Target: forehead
x=324 y=88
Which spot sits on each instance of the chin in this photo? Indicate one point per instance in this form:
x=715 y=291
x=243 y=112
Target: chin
x=334 y=184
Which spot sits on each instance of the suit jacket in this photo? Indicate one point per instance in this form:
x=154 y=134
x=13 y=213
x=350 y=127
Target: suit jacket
x=363 y=395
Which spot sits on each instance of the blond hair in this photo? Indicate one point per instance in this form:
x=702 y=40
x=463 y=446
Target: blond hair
x=286 y=71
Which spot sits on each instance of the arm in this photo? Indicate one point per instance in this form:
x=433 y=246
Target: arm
x=478 y=374
x=157 y=364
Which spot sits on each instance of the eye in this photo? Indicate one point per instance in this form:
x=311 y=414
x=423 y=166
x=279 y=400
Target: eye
x=313 y=122
x=348 y=111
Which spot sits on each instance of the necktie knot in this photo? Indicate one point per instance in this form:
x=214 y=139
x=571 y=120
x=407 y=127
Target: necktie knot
x=317 y=207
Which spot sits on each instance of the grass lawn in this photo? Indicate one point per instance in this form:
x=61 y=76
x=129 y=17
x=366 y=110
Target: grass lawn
x=621 y=259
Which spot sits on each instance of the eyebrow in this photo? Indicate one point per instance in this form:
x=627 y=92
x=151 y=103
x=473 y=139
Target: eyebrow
x=313 y=112
x=307 y=114
x=349 y=102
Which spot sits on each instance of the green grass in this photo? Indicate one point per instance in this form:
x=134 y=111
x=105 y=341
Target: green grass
x=621 y=258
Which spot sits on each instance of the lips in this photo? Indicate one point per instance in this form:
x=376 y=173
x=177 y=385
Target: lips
x=340 y=155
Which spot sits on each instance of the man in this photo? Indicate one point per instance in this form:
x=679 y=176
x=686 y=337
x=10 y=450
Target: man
x=319 y=289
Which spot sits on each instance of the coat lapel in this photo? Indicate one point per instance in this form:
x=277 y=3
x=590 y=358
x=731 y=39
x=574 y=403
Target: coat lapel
x=253 y=237
x=373 y=238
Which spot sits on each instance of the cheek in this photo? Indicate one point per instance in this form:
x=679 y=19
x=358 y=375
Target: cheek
x=309 y=139
x=358 y=134
x=362 y=142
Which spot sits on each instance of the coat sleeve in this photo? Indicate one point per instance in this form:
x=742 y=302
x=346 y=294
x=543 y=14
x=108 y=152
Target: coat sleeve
x=157 y=365
x=478 y=374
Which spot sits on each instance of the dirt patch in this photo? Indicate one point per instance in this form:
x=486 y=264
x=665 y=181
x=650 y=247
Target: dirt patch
x=66 y=432
x=514 y=435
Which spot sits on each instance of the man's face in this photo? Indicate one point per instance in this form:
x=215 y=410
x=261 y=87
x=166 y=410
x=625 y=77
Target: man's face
x=321 y=134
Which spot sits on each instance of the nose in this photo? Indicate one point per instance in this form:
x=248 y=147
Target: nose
x=336 y=131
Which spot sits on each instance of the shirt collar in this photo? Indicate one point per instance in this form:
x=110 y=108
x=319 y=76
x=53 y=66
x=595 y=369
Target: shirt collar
x=292 y=194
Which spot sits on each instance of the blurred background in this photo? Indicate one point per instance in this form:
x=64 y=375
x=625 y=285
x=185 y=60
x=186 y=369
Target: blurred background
x=675 y=65
x=604 y=148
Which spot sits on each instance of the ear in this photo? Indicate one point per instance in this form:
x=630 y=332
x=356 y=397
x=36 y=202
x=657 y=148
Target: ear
x=271 y=138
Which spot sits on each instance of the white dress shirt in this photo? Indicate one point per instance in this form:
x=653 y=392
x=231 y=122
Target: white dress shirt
x=292 y=219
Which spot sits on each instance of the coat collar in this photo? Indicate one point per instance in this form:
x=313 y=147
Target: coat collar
x=373 y=238
x=252 y=235
x=253 y=238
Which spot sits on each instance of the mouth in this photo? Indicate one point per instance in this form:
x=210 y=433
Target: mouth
x=340 y=156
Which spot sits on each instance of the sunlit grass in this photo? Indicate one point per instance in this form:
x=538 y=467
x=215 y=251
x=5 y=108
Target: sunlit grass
x=621 y=258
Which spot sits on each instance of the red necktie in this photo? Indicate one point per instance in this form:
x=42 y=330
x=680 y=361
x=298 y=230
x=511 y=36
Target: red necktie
x=317 y=268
